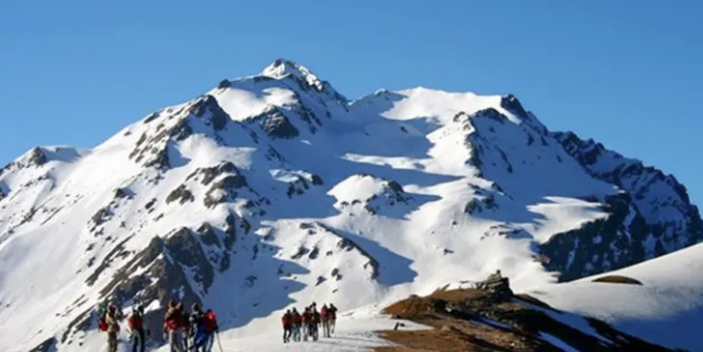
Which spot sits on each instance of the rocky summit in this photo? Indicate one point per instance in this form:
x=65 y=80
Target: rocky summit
x=275 y=190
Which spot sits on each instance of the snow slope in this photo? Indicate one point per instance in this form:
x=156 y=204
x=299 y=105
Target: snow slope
x=666 y=309
x=274 y=190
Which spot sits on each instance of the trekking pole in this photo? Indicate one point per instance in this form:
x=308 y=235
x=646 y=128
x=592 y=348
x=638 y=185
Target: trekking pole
x=218 y=341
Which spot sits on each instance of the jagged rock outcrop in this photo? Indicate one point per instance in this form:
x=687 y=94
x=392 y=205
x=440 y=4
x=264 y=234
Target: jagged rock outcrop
x=619 y=240
x=168 y=267
x=47 y=346
x=209 y=110
x=642 y=224
x=37 y=157
x=275 y=123
x=181 y=194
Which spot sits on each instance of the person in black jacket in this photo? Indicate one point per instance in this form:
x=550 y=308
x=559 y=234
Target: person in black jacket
x=332 y=317
x=196 y=316
x=136 y=327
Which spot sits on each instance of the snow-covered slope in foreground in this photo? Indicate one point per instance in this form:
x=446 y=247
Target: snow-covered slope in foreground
x=356 y=332
x=666 y=309
x=275 y=190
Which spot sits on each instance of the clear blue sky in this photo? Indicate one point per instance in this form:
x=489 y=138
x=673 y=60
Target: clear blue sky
x=627 y=73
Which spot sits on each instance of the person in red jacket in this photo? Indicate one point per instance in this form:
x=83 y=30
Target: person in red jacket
x=324 y=319
x=287 y=321
x=297 y=324
x=137 y=331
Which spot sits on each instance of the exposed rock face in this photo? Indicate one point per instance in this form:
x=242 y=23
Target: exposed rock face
x=276 y=124
x=208 y=109
x=152 y=149
x=602 y=245
x=208 y=174
x=47 y=346
x=224 y=190
x=512 y=104
x=37 y=157
x=166 y=265
x=641 y=226
x=224 y=84
x=180 y=194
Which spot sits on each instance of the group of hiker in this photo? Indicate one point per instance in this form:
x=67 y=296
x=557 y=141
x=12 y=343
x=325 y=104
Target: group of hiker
x=196 y=331
x=183 y=332
x=302 y=327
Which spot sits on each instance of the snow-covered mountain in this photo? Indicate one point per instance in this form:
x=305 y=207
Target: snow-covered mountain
x=660 y=299
x=276 y=190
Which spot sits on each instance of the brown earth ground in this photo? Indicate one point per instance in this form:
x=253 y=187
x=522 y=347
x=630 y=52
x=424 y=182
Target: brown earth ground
x=462 y=322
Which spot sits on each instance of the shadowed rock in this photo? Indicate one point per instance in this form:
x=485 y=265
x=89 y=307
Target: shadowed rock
x=100 y=217
x=224 y=190
x=670 y=223
x=512 y=104
x=207 y=107
x=185 y=249
x=208 y=174
x=491 y=113
x=316 y=180
x=117 y=252
x=49 y=345
x=275 y=124
x=160 y=159
x=600 y=245
x=153 y=116
x=208 y=235
x=164 y=277
x=224 y=84
x=182 y=194
x=181 y=130
x=37 y=157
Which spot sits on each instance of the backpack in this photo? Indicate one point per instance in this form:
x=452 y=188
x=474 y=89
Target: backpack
x=210 y=322
x=102 y=323
x=286 y=320
x=174 y=319
x=135 y=322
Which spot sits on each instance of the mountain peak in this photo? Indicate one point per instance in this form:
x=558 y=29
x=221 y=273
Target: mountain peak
x=282 y=68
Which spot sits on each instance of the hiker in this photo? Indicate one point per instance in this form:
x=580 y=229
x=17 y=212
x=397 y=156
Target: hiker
x=136 y=328
x=194 y=320
x=332 y=317
x=306 y=318
x=184 y=325
x=203 y=328
x=211 y=328
x=314 y=323
x=287 y=321
x=324 y=318
x=174 y=327
x=113 y=327
x=297 y=324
